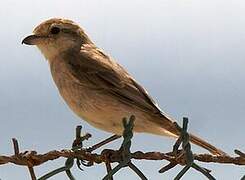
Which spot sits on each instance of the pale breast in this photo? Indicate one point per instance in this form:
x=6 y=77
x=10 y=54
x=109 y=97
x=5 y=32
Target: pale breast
x=98 y=109
x=88 y=104
x=75 y=95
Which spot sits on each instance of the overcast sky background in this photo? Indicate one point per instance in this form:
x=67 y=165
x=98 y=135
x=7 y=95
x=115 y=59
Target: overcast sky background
x=189 y=54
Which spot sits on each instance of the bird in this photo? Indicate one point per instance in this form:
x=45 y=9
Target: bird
x=97 y=88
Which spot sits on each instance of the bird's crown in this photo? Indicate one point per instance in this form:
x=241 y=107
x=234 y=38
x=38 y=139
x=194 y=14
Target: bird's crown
x=63 y=24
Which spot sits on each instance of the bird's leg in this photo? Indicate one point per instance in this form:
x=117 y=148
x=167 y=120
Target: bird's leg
x=102 y=143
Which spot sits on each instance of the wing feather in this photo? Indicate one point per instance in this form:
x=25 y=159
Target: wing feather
x=95 y=69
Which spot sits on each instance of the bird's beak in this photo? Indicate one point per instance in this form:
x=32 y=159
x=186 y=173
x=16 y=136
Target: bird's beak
x=31 y=40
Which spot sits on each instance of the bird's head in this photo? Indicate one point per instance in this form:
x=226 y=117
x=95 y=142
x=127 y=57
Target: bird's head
x=55 y=36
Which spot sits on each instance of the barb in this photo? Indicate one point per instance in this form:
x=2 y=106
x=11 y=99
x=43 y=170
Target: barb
x=240 y=153
x=167 y=167
x=108 y=169
x=16 y=146
x=76 y=146
x=32 y=173
x=17 y=155
x=123 y=156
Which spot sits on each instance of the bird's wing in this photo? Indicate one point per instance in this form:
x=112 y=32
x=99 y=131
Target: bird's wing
x=97 y=70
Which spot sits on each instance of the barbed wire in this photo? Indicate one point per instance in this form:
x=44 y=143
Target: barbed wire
x=85 y=157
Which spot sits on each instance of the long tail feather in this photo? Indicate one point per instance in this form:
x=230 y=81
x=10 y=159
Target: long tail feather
x=198 y=141
x=171 y=130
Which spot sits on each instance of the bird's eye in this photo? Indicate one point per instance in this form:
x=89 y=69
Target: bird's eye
x=55 y=30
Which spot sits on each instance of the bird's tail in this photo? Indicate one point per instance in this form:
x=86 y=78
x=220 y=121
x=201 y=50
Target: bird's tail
x=170 y=129
x=212 y=149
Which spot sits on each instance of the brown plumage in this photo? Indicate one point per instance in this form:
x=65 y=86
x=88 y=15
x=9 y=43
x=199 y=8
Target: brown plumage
x=97 y=88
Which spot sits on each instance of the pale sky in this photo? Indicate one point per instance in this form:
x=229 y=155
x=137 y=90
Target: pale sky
x=188 y=54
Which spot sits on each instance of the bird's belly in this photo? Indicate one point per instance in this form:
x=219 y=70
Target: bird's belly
x=101 y=110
